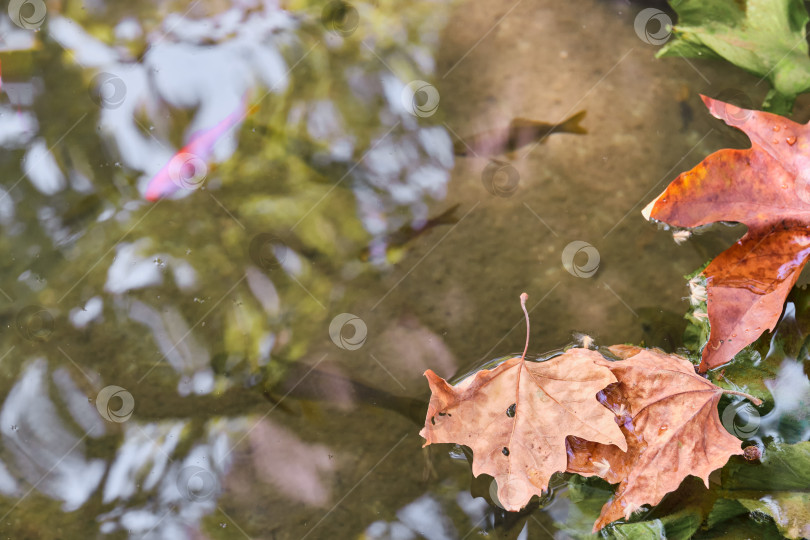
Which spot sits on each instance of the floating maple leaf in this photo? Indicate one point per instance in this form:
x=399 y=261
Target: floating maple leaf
x=766 y=188
x=524 y=421
x=669 y=415
x=515 y=418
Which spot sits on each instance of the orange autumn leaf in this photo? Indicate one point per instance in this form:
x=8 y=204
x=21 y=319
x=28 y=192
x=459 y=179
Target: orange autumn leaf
x=767 y=188
x=515 y=418
x=669 y=415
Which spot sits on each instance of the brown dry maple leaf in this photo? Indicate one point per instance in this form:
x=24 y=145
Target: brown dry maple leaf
x=669 y=415
x=515 y=418
x=766 y=188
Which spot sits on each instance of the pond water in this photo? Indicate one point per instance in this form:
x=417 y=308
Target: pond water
x=225 y=362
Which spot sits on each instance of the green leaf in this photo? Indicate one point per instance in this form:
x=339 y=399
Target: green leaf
x=742 y=527
x=646 y=530
x=779 y=488
x=682 y=525
x=586 y=495
x=723 y=510
x=790 y=512
x=764 y=37
x=676 y=526
x=784 y=467
x=589 y=494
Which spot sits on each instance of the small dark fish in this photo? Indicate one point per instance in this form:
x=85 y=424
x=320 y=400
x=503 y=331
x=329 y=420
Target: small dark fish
x=687 y=114
x=520 y=133
x=396 y=242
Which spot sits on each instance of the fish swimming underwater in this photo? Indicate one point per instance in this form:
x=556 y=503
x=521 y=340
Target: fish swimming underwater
x=520 y=133
x=396 y=243
x=687 y=114
x=186 y=169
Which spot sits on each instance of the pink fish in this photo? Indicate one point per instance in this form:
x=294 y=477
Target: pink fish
x=187 y=169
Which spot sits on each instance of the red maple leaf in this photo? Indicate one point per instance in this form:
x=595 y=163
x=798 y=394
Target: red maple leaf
x=767 y=188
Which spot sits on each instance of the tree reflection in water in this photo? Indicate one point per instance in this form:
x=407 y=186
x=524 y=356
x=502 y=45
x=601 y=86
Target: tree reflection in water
x=134 y=383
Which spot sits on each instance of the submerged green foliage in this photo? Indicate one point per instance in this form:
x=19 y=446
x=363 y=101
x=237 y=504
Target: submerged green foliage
x=779 y=487
x=764 y=37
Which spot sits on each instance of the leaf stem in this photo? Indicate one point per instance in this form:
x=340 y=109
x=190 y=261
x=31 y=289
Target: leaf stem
x=755 y=400
x=523 y=298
